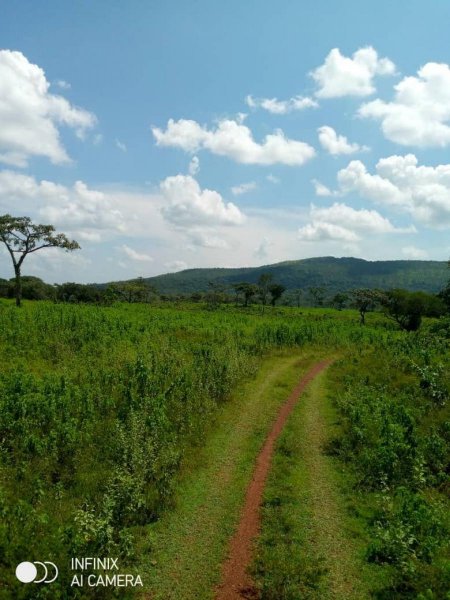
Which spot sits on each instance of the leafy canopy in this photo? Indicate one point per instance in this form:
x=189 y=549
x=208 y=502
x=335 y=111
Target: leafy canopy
x=21 y=237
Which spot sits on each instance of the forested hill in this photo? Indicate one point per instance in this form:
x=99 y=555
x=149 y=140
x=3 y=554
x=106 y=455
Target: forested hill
x=336 y=274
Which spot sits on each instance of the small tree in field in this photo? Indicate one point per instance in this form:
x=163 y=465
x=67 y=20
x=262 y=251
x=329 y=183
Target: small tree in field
x=22 y=237
x=365 y=300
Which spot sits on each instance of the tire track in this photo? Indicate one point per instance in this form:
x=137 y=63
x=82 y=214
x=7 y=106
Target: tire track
x=236 y=583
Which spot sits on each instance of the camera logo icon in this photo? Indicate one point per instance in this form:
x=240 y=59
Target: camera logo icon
x=27 y=572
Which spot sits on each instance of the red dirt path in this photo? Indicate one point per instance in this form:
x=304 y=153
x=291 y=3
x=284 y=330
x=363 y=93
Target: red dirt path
x=236 y=583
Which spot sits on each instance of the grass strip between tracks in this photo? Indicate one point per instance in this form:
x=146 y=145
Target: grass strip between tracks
x=186 y=547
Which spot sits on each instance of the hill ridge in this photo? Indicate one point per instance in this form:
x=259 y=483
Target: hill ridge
x=336 y=274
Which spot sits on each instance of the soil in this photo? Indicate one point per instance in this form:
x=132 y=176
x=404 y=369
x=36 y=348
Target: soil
x=236 y=582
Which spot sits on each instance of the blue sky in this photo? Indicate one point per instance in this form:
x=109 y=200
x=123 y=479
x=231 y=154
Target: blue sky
x=172 y=135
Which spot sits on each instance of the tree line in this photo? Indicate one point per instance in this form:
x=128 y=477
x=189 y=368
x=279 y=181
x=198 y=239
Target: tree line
x=22 y=237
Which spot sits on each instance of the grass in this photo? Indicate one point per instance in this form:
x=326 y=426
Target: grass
x=309 y=548
x=189 y=543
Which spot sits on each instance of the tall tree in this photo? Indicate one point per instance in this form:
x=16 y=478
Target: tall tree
x=23 y=237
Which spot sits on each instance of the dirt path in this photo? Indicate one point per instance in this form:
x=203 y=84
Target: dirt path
x=186 y=546
x=236 y=583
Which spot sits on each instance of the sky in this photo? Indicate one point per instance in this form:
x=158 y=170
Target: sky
x=171 y=135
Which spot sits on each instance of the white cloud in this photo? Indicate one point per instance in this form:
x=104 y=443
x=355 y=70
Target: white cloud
x=76 y=208
x=30 y=115
x=243 y=188
x=207 y=239
x=342 y=76
x=134 y=255
x=80 y=206
x=423 y=192
x=194 y=166
x=64 y=85
x=414 y=253
x=272 y=178
x=344 y=223
x=234 y=140
x=362 y=219
x=419 y=115
x=88 y=236
x=281 y=107
x=121 y=146
x=321 y=189
x=187 y=205
x=319 y=232
x=337 y=144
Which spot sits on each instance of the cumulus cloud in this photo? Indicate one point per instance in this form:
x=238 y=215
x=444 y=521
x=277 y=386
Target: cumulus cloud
x=281 y=107
x=76 y=208
x=134 y=255
x=234 y=140
x=419 y=115
x=337 y=144
x=423 y=192
x=320 y=232
x=243 y=188
x=343 y=223
x=186 y=204
x=343 y=76
x=30 y=115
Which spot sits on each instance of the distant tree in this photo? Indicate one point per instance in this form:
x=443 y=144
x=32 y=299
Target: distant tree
x=276 y=290
x=339 y=300
x=264 y=283
x=34 y=288
x=4 y=288
x=318 y=295
x=444 y=294
x=135 y=290
x=248 y=291
x=215 y=295
x=22 y=237
x=84 y=293
x=365 y=300
x=239 y=289
x=196 y=297
x=297 y=296
x=408 y=308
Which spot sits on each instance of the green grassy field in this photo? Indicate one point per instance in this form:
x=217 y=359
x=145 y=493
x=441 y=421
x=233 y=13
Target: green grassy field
x=131 y=431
